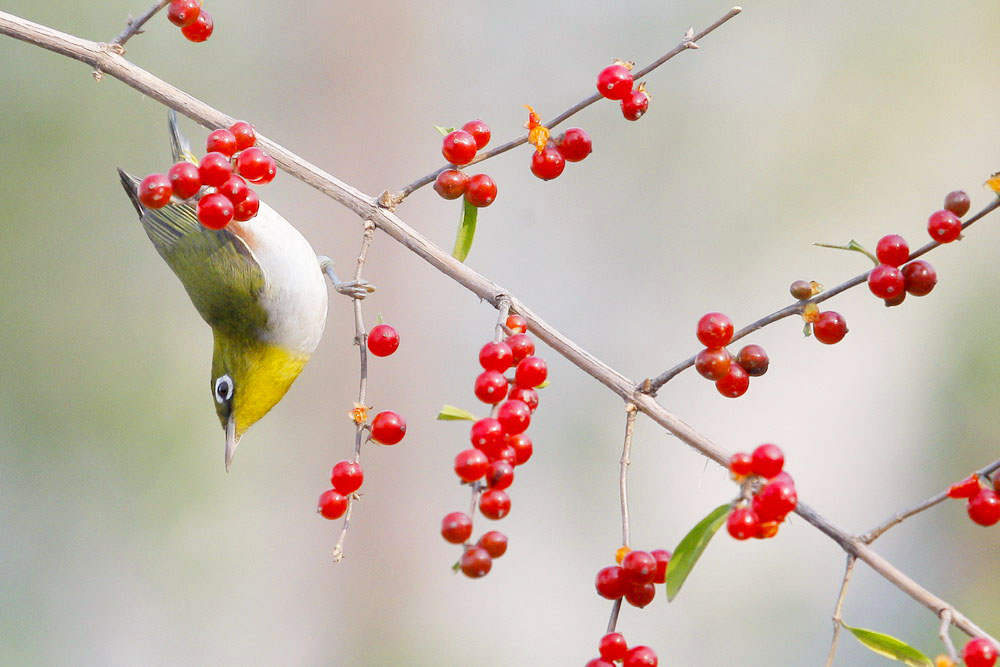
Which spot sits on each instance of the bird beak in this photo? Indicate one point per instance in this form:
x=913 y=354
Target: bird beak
x=232 y=440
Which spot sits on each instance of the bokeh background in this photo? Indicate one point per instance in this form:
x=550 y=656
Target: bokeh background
x=123 y=541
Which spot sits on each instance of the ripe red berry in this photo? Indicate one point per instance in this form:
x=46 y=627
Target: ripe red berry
x=215 y=211
x=155 y=191
x=269 y=171
x=388 y=428
x=521 y=444
x=487 y=435
x=244 y=133
x=712 y=363
x=886 y=282
x=598 y=662
x=451 y=183
x=521 y=346
x=183 y=12
x=740 y=464
x=610 y=582
x=944 y=226
x=184 y=179
x=920 y=277
x=471 y=465
x=892 y=250
x=491 y=387
x=742 y=523
x=494 y=504
x=639 y=595
x=347 y=477
x=635 y=105
x=494 y=542
x=252 y=163
x=459 y=147
x=481 y=190
x=767 y=461
x=475 y=562
x=221 y=141
x=639 y=567
x=957 y=202
x=967 y=488
x=574 y=144
x=517 y=325
x=531 y=372
x=640 y=656
x=214 y=169
x=382 y=340
x=612 y=647
x=500 y=474
x=662 y=557
x=479 y=130
x=234 y=189
x=614 y=82
x=504 y=453
x=547 y=163
x=735 y=383
x=514 y=417
x=527 y=396
x=496 y=357
x=456 y=527
x=714 y=330
x=247 y=208
x=753 y=359
x=775 y=501
x=332 y=505
x=984 y=507
x=979 y=652
x=200 y=29
x=830 y=328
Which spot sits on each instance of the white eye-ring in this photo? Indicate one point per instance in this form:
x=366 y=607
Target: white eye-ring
x=223 y=388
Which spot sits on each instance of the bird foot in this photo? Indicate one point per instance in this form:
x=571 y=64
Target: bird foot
x=356 y=289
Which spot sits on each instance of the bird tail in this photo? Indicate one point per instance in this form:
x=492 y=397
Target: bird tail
x=131 y=185
x=180 y=147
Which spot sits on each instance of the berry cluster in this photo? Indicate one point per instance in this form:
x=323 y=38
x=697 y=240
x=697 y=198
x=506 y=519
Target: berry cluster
x=615 y=83
x=612 y=648
x=231 y=160
x=715 y=363
x=195 y=23
x=634 y=576
x=984 y=501
x=774 y=496
x=979 y=652
x=550 y=157
x=459 y=148
x=499 y=442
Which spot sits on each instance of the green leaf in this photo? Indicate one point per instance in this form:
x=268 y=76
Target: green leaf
x=544 y=384
x=444 y=130
x=853 y=245
x=807 y=329
x=451 y=413
x=466 y=230
x=890 y=647
x=691 y=547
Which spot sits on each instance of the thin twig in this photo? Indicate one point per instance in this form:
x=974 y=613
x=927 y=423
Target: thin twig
x=503 y=310
x=630 y=412
x=616 y=607
x=134 y=26
x=688 y=42
x=838 y=608
x=945 y=637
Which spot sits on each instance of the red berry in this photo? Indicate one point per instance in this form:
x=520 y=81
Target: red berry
x=614 y=82
x=496 y=357
x=735 y=383
x=753 y=359
x=494 y=504
x=640 y=656
x=610 y=582
x=944 y=226
x=487 y=435
x=527 y=396
x=767 y=461
x=775 y=501
x=742 y=523
x=886 y=282
x=612 y=647
x=984 y=507
x=598 y=662
x=639 y=567
x=252 y=163
x=459 y=147
x=479 y=130
x=639 y=595
x=481 y=190
x=471 y=465
x=332 y=505
x=920 y=277
x=221 y=141
x=574 y=144
x=382 y=340
x=234 y=189
x=214 y=169
x=547 y=163
x=741 y=464
x=517 y=325
x=456 y=527
x=714 y=330
x=521 y=346
x=451 y=183
x=635 y=105
x=200 y=29
x=215 y=211
x=183 y=12
x=892 y=250
x=957 y=202
x=662 y=557
x=494 y=542
x=269 y=171
x=505 y=453
x=830 y=328
x=247 y=208
x=531 y=372
x=521 y=444
x=712 y=363
x=347 y=477
x=490 y=387
x=500 y=474
x=979 y=652
x=185 y=179
x=967 y=488
x=155 y=191
x=244 y=133
x=475 y=562
x=388 y=428
x=514 y=417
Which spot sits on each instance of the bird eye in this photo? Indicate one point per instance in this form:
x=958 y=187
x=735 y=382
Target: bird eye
x=223 y=388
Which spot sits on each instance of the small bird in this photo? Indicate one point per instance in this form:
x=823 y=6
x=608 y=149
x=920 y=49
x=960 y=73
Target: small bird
x=258 y=284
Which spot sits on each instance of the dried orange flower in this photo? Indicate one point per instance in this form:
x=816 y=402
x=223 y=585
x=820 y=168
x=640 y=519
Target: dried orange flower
x=358 y=414
x=811 y=313
x=620 y=554
x=538 y=134
x=993 y=183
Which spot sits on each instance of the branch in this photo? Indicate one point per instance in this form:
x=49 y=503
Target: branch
x=838 y=608
x=135 y=24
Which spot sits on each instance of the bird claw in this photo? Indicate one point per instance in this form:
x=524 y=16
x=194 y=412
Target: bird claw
x=356 y=289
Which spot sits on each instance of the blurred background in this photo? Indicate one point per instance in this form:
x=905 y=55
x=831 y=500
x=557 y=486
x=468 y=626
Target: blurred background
x=122 y=540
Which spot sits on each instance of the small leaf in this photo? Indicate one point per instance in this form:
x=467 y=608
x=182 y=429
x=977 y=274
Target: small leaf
x=466 y=230
x=807 y=330
x=691 y=547
x=853 y=245
x=544 y=384
x=444 y=130
x=890 y=647
x=451 y=413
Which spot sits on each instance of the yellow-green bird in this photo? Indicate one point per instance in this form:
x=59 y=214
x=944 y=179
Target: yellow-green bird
x=258 y=284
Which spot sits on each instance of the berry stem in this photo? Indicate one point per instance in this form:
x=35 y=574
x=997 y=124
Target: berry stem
x=945 y=637
x=630 y=413
x=503 y=311
x=616 y=607
x=838 y=608
x=134 y=26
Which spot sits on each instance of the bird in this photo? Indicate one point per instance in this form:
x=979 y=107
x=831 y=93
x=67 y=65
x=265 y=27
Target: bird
x=258 y=284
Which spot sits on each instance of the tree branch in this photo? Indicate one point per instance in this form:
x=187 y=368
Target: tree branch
x=135 y=24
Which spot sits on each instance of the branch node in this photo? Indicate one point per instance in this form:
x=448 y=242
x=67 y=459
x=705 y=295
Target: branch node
x=389 y=201
x=692 y=45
